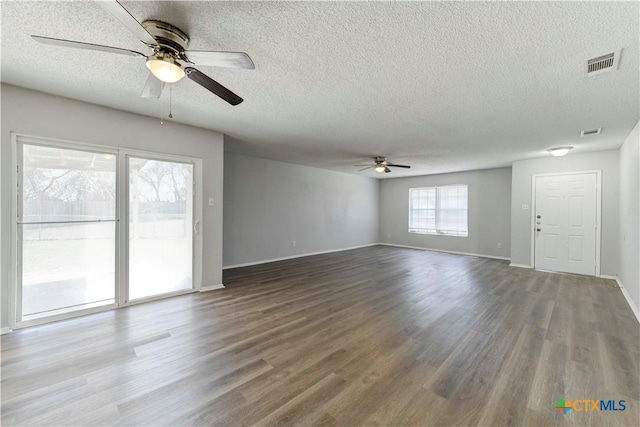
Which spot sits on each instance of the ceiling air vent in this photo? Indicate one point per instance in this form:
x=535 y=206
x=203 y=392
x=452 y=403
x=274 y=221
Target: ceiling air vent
x=591 y=132
x=603 y=64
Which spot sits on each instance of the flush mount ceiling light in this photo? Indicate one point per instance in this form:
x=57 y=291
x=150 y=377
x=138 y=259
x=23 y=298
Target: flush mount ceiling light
x=560 y=151
x=165 y=68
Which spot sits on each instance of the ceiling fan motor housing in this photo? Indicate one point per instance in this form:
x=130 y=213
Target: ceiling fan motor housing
x=171 y=39
x=380 y=159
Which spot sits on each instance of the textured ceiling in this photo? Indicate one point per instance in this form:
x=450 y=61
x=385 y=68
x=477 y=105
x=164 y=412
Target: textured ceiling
x=442 y=86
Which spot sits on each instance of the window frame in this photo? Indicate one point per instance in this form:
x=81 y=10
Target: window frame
x=436 y=210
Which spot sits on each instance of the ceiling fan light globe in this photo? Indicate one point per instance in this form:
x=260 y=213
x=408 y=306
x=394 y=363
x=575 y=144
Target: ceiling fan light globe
x=380 y=168
x=165 y=69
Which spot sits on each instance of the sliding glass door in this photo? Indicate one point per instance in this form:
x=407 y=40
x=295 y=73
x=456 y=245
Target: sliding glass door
x=97 y=228
x=67 y=229
x=161 y=227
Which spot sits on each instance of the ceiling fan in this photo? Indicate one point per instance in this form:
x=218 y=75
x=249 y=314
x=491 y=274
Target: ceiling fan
x=382 y=165
x=169 y=60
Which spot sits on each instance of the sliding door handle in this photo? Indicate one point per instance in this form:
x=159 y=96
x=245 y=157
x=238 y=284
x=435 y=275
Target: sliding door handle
x=196 y=227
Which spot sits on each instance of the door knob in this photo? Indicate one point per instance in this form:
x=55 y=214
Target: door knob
x=538 y=217
x=538 y=229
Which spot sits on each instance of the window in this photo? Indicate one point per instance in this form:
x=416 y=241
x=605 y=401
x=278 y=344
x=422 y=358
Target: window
x=438 y=210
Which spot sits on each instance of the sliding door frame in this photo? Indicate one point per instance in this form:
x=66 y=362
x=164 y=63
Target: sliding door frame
x=124 y=298
x=121 y=247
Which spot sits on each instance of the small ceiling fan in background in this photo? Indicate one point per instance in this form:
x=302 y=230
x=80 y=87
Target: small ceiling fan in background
x=169 y=60
x=381 y=165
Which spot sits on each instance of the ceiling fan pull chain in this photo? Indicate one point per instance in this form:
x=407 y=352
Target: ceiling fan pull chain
x=170 y=98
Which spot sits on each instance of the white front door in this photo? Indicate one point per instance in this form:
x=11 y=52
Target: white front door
x=566 y=223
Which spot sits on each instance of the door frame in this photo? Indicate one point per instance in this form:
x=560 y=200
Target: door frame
x=598 y=173
x=121 y=230
x=123 y=296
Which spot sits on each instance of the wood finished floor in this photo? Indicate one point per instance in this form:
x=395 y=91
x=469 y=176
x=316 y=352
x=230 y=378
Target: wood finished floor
x=374 y=336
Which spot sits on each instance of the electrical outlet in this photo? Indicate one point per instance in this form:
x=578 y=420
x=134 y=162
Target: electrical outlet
x=525 y=207
x=293 y=243
x=499 y=245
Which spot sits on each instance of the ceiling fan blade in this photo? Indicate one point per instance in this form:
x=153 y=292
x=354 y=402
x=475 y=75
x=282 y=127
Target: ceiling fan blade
x=387 y=170
x=220 y=59
x=361 y=165
x=398 y=166
x=212 y=86
x=122 y=15
x=153 y=87
x=368 y=167
x=87 y=46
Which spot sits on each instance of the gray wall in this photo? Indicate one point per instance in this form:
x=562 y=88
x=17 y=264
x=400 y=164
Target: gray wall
x=629 y=270
x=39 y=114
x=489 y=212
x=269 y=204
x=521 y=224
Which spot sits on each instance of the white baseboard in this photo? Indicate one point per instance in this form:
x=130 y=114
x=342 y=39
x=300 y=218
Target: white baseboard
x=635 y=310
x=212 y=287
x=296 y=256
x=445 y=251
x=520 y=265
x=606 y=276
x=5 y=330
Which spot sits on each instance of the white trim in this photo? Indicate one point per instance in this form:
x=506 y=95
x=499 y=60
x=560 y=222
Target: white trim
x=532 y=221
x=212 y=287
x=5 y=330
x=520 y=265
x=89 y=146
x=606 y=276
x=247 y=264
x=634 y=309
x=157 y=297
x=598 y=173
x=598 y=220
x=198 y=216
x=13 y=269
x=568 y=173
x=122 y=236
x=447 y=252
x=65 y=316
x=100 y=309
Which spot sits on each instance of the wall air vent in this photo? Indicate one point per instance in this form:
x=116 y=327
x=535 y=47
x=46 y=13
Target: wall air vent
x=591 y=132
x=603 y=64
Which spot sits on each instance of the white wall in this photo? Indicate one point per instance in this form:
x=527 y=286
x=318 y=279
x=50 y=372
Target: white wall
x=489 y=212
x=39 y=114
x=521 y=224
x=269 y=204
x=629 y=269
